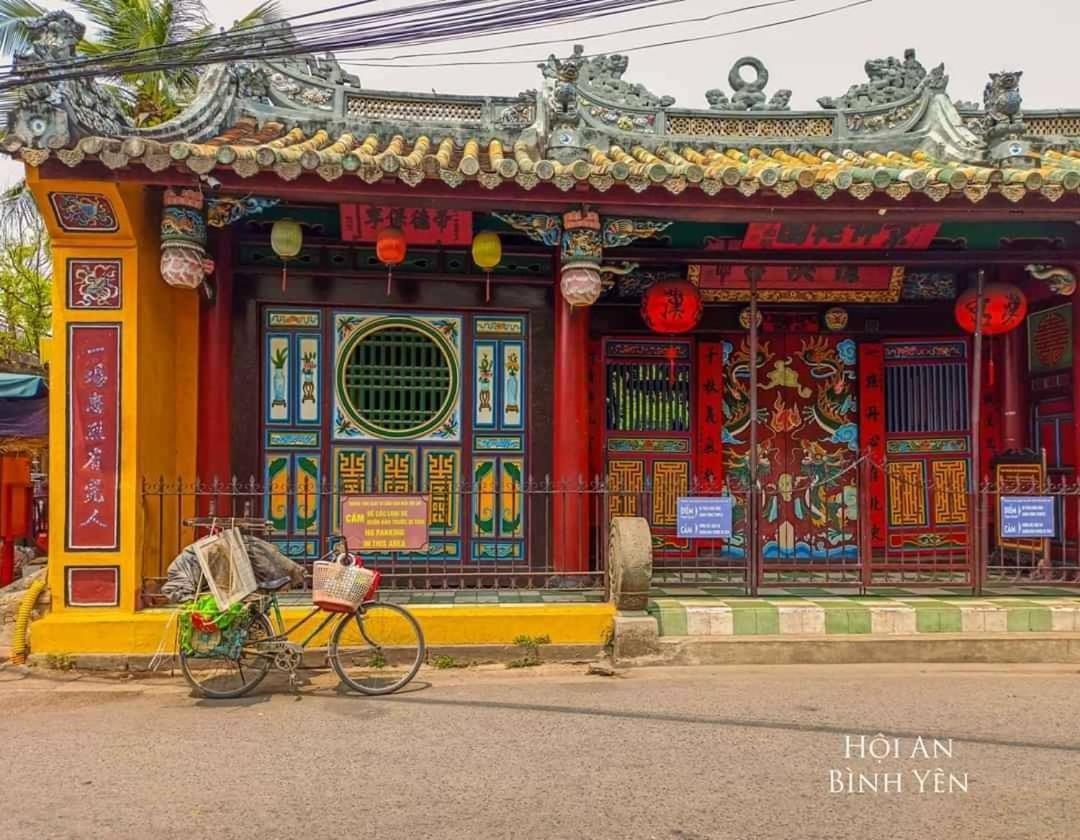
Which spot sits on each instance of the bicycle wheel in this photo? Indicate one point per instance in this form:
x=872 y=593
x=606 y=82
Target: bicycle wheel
x=222 y=678
x=377 y=649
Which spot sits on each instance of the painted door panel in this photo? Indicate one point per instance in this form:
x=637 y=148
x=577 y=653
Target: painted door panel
x=313 y=376
x=807 y=438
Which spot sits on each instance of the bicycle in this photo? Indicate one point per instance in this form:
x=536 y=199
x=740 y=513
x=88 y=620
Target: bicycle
x=375 y=649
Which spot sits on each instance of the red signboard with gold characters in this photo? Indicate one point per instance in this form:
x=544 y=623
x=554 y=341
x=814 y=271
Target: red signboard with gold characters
x=93 y=437
x=420 y=225
x=821 y=236
x=801 y=283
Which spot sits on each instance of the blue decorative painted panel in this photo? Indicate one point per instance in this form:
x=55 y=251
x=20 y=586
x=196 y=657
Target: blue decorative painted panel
x=307 y=368
x=279 y=352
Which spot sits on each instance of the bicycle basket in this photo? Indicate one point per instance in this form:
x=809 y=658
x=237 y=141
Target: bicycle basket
x=337 y=587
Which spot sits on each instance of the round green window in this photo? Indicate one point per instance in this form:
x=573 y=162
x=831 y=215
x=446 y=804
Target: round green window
x=397 y=378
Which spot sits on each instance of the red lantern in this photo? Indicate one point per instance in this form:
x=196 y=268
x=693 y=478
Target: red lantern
x=672 y=306
x=1004 y=308
x=390 y=248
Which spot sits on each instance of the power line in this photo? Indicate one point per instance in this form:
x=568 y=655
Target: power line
x=638 y=48
x=420 y=23
x=481 y=13
x=626 y=31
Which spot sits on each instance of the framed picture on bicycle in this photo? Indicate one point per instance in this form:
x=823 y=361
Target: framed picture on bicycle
x=226 y=566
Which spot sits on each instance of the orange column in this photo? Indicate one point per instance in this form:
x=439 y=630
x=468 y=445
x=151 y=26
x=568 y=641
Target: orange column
x=148 y=335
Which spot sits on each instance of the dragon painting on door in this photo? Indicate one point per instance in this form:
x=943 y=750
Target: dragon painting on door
x=807 y=441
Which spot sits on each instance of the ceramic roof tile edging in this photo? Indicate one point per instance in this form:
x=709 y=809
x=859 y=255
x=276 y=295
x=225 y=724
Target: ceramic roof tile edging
x=896 y=135
x=821 y=173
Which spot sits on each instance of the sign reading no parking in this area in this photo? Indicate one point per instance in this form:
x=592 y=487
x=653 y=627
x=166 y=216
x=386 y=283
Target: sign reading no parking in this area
x=385 y=523
x=704 y=517
x=1027 y=516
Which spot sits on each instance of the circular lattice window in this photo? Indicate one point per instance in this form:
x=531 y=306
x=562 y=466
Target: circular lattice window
x=397 y=378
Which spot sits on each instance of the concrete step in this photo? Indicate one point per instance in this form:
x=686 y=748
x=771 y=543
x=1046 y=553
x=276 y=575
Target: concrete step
x=1026 y=647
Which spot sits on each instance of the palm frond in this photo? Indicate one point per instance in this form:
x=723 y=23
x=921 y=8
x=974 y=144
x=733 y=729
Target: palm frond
x=268 y=11
x=143 y=24
x=14 y=17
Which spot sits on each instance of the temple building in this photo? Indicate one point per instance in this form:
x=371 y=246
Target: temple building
x=546 y=309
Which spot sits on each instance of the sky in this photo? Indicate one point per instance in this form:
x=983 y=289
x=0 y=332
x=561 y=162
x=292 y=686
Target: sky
x=813 y=58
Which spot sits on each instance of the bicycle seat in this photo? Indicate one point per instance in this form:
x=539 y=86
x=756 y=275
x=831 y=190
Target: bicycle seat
x=274 y=585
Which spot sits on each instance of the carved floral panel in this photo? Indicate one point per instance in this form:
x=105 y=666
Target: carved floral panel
x=94 y=284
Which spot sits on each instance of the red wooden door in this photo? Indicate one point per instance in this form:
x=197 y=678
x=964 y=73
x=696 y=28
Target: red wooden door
x=807 y=443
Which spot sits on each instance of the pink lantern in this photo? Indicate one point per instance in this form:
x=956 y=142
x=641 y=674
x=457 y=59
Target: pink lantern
x=581 y=285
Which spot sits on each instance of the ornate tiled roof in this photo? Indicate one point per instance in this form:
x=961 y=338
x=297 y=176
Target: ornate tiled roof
x=896 y=133
x=249 y=148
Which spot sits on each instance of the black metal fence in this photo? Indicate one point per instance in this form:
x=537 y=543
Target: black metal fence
x=563 y=541
x=559 y=544
x=1052 y=561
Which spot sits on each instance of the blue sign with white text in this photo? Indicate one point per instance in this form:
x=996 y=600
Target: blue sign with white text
x=704 y=517
x=1026 y=517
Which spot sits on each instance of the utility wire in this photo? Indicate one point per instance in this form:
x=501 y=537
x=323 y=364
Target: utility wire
x=638 y=48
x=419 y=23
x=626 y=31
x=282 y=46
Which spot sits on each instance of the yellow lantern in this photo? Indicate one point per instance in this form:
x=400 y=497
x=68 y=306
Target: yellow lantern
x=486 y=253
x=286 y=238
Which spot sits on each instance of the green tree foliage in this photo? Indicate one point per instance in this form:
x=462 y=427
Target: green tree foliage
x=25 y=275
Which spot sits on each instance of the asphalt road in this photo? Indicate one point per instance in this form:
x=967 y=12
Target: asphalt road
x=679 y=753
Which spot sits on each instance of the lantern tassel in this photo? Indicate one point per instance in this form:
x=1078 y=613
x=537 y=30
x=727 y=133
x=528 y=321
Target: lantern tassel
x=284 y=275
x=671 y=353
x=487 y=287
x=990 y=366
x=389 y=279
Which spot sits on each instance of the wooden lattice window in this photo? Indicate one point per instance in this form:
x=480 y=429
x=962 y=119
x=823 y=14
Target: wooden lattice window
x=398 y=380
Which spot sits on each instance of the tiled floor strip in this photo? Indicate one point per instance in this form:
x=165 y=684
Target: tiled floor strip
x=831 y=615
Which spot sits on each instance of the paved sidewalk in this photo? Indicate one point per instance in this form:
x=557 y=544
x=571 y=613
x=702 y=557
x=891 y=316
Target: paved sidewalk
x=896 y=615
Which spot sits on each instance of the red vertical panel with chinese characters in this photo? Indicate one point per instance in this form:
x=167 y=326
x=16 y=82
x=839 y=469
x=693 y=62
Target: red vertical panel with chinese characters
x=991 y=418
x=872 y=433
x=710 y=415
x=93 y=437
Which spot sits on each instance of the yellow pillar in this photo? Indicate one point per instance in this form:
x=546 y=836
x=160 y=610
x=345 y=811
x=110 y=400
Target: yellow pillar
x=105 y=243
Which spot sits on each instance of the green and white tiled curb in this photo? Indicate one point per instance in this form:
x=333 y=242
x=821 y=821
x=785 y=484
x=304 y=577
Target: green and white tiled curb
x=869 y=615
